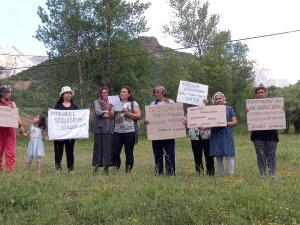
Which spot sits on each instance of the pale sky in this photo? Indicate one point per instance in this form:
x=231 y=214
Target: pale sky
x=244 y=18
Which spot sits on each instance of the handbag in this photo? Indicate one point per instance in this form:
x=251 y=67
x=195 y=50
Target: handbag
x=136 y=133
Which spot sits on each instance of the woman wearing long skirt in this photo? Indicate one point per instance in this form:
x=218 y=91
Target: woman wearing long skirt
x=103 y=128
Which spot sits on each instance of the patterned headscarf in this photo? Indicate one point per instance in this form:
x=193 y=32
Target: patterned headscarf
x=103 y=102
x=218 y=94
x=5 y=89
x=162 y=90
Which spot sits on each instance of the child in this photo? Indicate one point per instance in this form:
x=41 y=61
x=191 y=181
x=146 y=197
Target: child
x=35 y=147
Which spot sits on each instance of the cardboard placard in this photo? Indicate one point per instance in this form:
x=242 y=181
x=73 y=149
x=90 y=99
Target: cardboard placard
x=166 y=121
x=207 y=116
x=265 y=114
x=9 y=117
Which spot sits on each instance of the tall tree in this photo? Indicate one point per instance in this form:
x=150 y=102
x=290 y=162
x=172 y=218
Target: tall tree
x=192 y=26
x=115 y=23
x=76 y=28
x=64 y=32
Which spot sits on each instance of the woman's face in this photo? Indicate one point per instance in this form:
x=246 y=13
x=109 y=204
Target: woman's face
x=261 y=93
x=124 y=94
x=67 y=96
x=7 y=96
x=158 y=94
x=219 y=100
x=104 y=94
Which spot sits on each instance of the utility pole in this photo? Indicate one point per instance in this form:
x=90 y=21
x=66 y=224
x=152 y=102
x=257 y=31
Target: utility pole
x=50 y=57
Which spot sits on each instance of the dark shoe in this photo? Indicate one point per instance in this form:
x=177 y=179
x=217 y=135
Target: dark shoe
x=58 y=168
x=106 y=171
x=96 y=169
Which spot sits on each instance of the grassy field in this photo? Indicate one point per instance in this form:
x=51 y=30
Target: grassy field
x=142 y=198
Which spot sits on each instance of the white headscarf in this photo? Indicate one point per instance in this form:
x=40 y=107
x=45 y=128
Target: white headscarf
x=218 y=94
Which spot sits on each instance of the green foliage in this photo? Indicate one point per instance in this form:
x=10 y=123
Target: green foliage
x=192 y=26
x=291 y=96
x=171 y=72
x=73 y=28
x=221 y=64
x=143 y=198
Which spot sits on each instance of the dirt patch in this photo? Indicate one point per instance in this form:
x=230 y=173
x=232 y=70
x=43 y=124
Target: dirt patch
x=22 y=84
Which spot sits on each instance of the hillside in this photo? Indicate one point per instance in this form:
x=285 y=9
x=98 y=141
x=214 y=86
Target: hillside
x=36 y=88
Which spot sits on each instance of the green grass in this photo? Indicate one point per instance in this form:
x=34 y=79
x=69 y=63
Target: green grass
x=142 y=198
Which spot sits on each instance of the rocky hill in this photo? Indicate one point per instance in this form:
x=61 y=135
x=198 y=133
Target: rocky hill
x=14 y=61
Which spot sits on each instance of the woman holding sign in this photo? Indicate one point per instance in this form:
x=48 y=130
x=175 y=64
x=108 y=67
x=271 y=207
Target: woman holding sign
x=103 y=128
x=265 y=143
x=221 y=139
x=65 y=102
x=125 y=129
x=163 y=148
x=8 y=135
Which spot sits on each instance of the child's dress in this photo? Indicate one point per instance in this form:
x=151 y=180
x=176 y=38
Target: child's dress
x=35 y=147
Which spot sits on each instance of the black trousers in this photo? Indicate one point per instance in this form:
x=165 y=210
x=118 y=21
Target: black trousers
x=199 y=146
x=126 y=140
x=164 y=149
x=58 y=152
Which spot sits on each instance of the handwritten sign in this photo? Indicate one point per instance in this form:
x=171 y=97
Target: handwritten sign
x=192 y=93
x=68 y=124
x=166 y=121
x=207 y=116
x=9 y=117
x=266 y=114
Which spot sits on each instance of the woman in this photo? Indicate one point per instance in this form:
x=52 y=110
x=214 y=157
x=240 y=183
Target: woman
x=125 y=129
x=265 y=143
x=103 y=128
x=65 y=102
x=221 y=140
x=163 y=148
x=8 y=135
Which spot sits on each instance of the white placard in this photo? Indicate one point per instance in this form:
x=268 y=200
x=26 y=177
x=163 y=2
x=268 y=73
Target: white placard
x=68 y=124
x=265 y=114
x=192 y=93
x=166 y=121
x=9 y=117
x=116 y=103
x=207 y=116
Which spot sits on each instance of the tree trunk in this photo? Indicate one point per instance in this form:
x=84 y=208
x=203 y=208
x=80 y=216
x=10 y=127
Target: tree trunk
x=81 y=93
x=297 y=126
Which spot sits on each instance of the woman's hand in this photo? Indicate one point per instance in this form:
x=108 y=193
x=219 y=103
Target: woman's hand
x=184 y=121
x=146 y=122
x=109 y=106
x=21 y=130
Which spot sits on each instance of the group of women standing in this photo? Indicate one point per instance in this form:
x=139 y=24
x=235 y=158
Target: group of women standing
x=115 y=129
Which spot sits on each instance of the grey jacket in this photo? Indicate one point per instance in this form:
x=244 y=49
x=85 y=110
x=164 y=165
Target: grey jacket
x=102 y=125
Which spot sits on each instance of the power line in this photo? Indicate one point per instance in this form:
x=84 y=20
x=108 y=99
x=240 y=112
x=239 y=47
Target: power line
x=6 y=54
x=154 y=52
